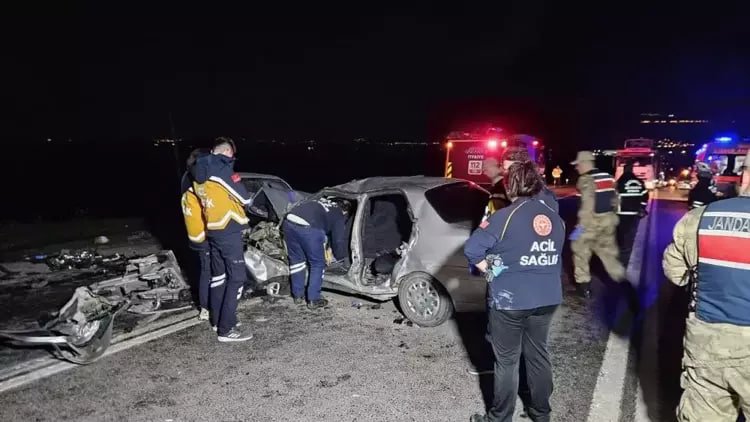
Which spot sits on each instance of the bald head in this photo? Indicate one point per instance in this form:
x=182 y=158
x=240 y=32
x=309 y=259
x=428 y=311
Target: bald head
x=491 y=169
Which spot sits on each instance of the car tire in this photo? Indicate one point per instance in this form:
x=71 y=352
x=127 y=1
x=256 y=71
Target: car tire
x=423 y=300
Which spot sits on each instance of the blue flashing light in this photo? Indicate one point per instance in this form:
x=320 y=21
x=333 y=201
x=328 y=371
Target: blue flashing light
x=705 y=146
x=724 y=139
x=710 y=158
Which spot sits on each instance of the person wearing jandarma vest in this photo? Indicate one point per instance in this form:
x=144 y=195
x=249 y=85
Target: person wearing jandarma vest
x=519 y=250
x=709 y=254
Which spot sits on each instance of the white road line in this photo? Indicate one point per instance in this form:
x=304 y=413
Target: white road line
x=36 y=369
x=61 y=366
x=610 y=384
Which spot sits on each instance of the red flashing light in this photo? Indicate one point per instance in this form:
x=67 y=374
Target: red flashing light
x=504 y=144
x=535 y=143
x=492 y=144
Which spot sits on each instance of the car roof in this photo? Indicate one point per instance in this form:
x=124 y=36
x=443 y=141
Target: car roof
x=412 y=183
x=245 y=175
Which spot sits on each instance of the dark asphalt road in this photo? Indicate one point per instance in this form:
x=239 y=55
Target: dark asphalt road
x=355 y=364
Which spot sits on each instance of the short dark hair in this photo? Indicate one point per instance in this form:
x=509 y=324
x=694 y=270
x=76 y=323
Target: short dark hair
x=193 y=157
x=523 y=179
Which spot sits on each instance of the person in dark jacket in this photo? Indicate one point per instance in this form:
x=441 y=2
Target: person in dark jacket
x=224 y=200
x=493 y=170
x=632 y=199
x=703 y=192
x=306 y=229
x=195 y=226
x=520 y=155
x=520 y=251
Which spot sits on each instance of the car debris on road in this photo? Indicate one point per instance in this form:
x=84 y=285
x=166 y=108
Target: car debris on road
x=80 y=259
x=82 y=329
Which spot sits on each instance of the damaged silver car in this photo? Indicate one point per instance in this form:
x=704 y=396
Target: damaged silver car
x=407 y=237
x=82 y=329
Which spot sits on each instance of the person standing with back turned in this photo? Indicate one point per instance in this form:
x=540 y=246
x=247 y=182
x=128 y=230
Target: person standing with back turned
x=709 y=254
x=632 y=199
x=224 y=199
x=519 y=250
x=597 y=223
x=195 y=226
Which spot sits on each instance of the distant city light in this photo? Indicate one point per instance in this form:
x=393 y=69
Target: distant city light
x=504 y=144
x=535 y=143
x=683 y=152
x=449 y=145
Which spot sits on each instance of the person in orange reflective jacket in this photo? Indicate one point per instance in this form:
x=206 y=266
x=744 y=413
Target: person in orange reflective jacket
x=224 y=199
x=195 y=226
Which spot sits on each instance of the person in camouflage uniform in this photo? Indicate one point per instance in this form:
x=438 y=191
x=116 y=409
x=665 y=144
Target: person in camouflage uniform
x=716 y=363
x=597 y=223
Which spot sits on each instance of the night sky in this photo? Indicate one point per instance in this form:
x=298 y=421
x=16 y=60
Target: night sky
x=116 y=72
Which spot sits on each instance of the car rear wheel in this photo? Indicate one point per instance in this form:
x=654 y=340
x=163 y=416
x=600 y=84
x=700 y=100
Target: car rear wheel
x=424 y=301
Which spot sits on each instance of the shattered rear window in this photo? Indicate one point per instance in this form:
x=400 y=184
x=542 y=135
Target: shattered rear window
x=254 y=185
x=458 y=203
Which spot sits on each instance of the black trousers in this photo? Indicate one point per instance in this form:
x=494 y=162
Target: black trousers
x=626 y=231
x=513 y=333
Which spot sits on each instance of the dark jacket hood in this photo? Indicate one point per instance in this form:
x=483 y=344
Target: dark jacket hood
x=208 y=165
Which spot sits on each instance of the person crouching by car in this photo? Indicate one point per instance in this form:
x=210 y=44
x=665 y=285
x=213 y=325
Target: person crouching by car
x=306 y=229
x=519 y=250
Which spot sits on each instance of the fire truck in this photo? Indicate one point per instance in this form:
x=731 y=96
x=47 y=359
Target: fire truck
x=465 y=151
x=726 y=158
x=641 y=153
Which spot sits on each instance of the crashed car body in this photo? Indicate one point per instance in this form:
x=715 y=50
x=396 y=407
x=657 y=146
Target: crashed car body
x=407 y=236
x=272 y=196
x=81 y=331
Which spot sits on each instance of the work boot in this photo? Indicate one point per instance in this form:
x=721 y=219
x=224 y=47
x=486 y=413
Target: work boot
x=299 y=300
x=203 y=315
x=316 y=304
x=235 y=335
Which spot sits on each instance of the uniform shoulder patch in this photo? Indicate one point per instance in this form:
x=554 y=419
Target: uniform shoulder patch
x=484 y=224
x=236 y=178
x=542 y=225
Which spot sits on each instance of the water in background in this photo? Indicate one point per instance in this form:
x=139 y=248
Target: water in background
x=60 y=180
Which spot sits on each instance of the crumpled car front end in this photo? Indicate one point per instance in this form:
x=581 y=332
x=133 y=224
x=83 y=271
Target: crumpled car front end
x=266 y=258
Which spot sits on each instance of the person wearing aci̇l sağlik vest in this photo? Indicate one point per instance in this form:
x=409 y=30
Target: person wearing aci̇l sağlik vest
x=709 y=254
x=519 y=249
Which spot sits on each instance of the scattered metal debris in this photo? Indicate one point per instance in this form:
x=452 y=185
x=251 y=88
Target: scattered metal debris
x=81 y=331
x=356 y=304
x=376 y=306
x=403 y=321
x=69 y=260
